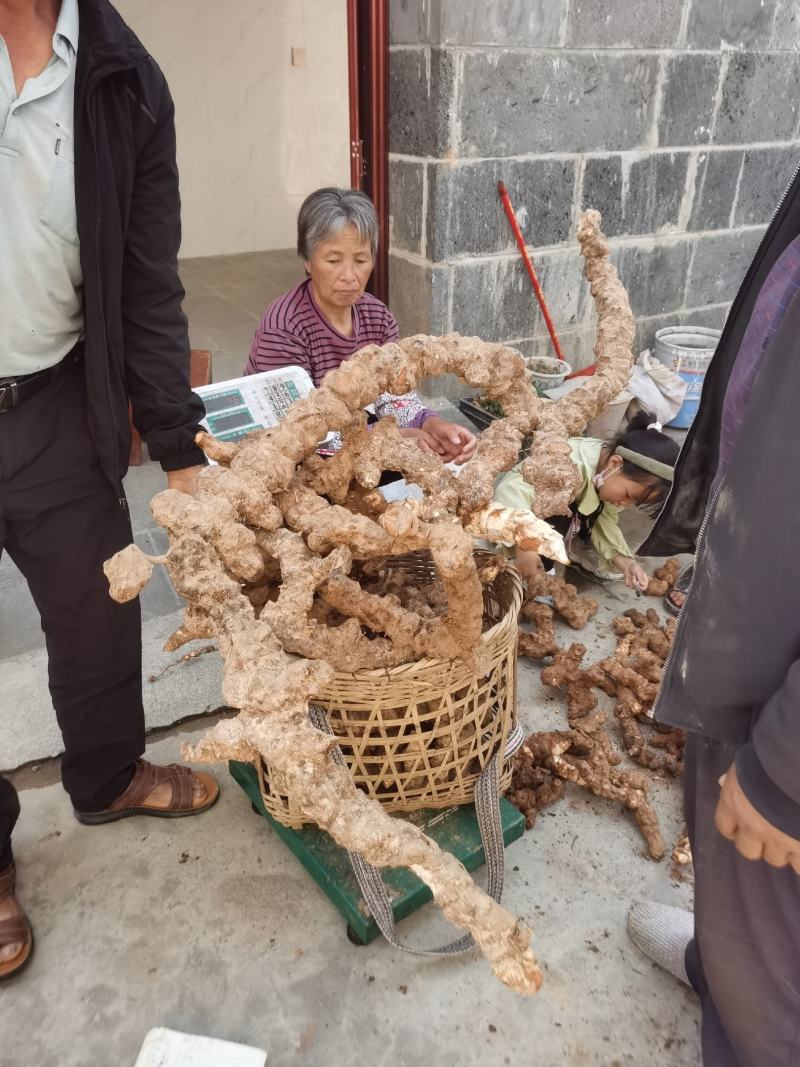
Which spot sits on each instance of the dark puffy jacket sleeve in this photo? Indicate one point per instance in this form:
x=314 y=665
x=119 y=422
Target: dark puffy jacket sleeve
x=165 y=410
x=768 y=766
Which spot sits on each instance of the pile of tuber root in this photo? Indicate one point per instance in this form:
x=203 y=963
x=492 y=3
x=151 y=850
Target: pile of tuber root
x=279 y=558
x=585 y=754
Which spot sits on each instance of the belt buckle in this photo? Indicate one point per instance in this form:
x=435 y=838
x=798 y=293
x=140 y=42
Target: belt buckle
x=8 y=397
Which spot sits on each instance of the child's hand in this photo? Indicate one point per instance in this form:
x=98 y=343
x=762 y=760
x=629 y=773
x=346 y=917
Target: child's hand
x=635 y=576
x=528 y=564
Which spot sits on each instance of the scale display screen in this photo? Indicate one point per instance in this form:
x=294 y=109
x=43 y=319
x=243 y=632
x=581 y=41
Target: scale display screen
x=230 y=420
x=223 y=401
x=253 y=402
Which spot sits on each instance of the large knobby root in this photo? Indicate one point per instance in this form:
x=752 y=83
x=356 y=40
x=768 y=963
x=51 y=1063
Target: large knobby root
x=573 y=757
x=273 y=690
x=271 y=556
x=549 y=467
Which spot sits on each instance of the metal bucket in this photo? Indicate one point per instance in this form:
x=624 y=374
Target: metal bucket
x=687 y=351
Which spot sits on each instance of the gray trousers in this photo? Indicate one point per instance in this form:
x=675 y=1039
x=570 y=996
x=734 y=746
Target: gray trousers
x=745 y=959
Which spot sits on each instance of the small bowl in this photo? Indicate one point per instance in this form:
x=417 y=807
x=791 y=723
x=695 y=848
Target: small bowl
x=546 y=372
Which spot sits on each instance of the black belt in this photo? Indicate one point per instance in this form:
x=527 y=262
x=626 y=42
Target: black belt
x=15 y=391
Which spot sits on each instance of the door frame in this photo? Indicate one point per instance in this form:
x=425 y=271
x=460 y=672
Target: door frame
x=368 y=82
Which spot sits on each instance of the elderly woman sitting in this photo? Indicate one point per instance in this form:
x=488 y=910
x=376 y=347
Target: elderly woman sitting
x=328 y=317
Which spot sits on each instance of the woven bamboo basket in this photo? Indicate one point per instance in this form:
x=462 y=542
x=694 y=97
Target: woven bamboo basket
x=419 y=735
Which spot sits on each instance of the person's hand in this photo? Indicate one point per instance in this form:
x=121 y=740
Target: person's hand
x=635 y=575
x=456 y=444
x=425 y=443
x=185 y=480
x=754 y=837
x=528 y=563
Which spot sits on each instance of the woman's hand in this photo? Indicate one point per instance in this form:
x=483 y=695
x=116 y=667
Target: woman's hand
x=425 y=442
x=635 y=576
x=455 y=444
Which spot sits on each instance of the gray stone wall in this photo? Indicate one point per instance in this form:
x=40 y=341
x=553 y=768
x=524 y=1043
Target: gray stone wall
x=677 y=119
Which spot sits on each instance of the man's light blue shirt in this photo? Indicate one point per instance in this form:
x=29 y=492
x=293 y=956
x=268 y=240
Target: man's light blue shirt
x=41 y=297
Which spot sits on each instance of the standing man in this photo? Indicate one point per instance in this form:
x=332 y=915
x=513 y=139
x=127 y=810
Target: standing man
x=90 y=318
x=733 y=679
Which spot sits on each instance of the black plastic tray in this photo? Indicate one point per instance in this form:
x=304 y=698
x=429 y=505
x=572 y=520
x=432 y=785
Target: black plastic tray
x=480 y=418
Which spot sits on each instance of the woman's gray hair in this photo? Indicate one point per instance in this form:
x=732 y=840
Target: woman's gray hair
x=328 y=211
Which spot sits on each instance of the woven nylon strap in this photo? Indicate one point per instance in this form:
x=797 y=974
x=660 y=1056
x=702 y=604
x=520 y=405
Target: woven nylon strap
x=487 y=808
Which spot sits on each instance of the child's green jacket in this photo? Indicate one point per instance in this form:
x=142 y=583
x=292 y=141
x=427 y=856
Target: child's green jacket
x=606 y=536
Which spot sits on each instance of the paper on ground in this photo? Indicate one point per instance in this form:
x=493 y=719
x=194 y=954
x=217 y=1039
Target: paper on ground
x=170 y=1048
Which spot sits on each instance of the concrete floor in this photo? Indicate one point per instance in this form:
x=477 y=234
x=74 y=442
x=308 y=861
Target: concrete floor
x=210 y=925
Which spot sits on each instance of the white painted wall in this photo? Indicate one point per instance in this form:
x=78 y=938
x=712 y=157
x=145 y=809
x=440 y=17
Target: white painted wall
x=255 y=134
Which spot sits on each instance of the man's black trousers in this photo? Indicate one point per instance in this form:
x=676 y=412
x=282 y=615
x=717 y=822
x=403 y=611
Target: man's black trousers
x=60 y=519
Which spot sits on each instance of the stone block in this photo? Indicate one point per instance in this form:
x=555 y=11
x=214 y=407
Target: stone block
x=687 y=99
x=414 y=21
x=713 y=316
x=466 y=216
x=493 y=298
x=718 y=266
x=646 y=328
x=446 y=387
x=636 y=195
x=786 y=32
x=715 y=189
x=577 y=346
x=765 y=174
x=623 y=24
x=515 y=23
x=518 y=103
x=406 y=205
x=730 y=23
x=420 y=89
x=418 y=295
x=759 y=98
x=654 y=273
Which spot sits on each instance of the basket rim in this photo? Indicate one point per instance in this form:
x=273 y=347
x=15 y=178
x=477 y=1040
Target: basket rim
x=513 y=610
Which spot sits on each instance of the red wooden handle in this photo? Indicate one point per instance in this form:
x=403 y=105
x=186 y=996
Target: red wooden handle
x=526 y=259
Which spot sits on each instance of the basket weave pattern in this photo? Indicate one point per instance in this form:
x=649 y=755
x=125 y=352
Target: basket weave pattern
x=419 y=735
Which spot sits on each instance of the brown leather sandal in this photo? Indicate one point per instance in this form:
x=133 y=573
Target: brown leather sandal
x=145 y=779
x=16 y=930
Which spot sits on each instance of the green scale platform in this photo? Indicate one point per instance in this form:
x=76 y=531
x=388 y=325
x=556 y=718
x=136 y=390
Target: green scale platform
x=454 y=829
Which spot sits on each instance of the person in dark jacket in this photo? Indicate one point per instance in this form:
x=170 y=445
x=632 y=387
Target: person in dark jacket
x=90 y=320
x=733 y=677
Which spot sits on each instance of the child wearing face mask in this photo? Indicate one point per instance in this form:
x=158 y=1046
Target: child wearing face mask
x=635 y=470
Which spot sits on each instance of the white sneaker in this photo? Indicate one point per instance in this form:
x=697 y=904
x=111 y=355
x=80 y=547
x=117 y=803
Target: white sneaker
x=663 y=933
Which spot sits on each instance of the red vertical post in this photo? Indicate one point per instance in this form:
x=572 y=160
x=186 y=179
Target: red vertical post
x=378 y=163
x=368 y=71
x=356 y=144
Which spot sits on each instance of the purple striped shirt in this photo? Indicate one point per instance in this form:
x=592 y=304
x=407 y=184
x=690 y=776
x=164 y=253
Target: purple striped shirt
x=294 y=332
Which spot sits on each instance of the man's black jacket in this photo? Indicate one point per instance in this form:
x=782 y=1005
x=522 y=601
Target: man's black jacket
x=128 y=208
